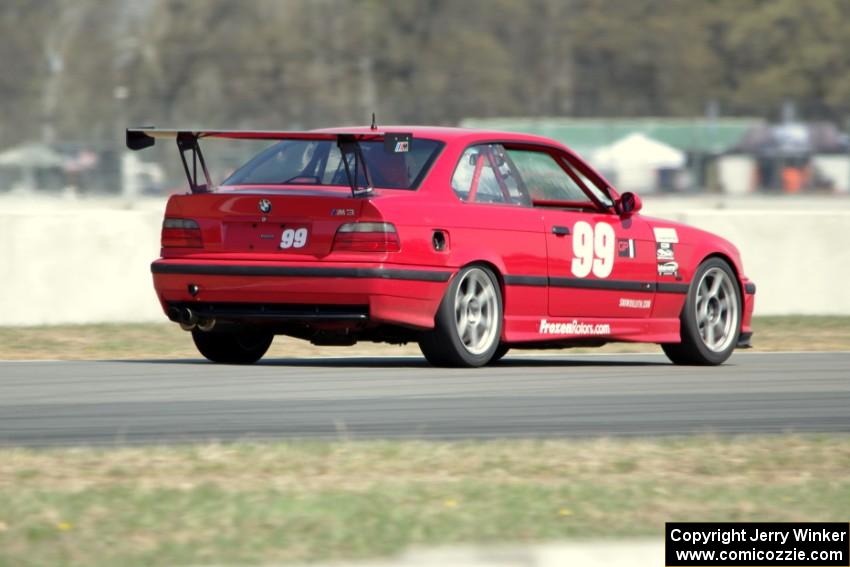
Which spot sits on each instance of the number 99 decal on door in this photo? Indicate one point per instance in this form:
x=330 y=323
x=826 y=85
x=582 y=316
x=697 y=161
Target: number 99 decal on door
x=593 y=249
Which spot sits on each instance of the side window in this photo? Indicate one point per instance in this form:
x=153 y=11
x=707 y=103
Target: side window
x=545 y=179
x=593 y=187
x=485 y=174
x=462 y=178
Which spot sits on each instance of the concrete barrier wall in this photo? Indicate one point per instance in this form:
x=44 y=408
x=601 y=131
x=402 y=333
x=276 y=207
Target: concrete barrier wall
x=78 y=265
x=83 y=262
x=800 y=261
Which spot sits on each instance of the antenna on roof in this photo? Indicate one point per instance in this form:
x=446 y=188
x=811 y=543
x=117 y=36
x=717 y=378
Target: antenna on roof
x=374 y=125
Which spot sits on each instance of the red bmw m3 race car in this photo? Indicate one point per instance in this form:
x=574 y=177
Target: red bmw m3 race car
x=468 y=242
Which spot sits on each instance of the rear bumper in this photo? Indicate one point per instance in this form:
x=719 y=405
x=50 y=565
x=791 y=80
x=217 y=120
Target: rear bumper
x=393 y=293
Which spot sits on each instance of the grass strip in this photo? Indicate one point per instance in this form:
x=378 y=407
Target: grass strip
x=266 y=503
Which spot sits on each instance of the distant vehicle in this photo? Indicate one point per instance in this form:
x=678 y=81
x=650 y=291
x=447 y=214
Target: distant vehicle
x=467 y=242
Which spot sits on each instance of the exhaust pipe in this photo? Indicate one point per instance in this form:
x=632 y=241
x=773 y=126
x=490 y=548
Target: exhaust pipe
x=187 y=318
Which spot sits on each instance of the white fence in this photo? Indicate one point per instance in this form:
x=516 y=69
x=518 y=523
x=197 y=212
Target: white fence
x=80 y=262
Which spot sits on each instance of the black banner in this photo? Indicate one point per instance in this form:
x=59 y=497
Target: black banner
x=769 y=544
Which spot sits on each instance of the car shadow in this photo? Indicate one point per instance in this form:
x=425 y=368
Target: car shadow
x=578 y=362
x=414 y=362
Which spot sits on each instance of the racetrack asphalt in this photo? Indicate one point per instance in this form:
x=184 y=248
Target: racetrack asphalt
x=163 y=401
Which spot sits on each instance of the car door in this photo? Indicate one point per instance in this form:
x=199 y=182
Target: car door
x=599 y=264
x=498 y=224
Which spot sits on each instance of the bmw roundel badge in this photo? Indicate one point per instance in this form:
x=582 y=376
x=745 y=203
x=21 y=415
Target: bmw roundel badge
x=265 y=206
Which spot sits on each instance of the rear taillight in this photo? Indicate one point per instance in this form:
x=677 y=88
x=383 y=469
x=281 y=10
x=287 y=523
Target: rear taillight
x=181 y=233
x=367 y=237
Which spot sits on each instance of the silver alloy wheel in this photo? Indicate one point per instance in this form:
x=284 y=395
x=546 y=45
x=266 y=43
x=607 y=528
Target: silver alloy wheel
x=717 y=309
x=476 y=311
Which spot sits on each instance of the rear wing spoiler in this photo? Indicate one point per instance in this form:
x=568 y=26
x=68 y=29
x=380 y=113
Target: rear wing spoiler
x=348 y=142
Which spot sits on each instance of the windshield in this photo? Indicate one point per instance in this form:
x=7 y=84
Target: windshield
x=299 y=162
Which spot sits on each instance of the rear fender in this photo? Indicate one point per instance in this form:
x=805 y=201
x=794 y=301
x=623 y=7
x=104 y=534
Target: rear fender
x=488 y=258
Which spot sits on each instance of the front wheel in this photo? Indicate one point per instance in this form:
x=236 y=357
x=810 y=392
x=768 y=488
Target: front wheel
x=468 y=324
x=232 y=347
x=711 y=317
x=500 y=353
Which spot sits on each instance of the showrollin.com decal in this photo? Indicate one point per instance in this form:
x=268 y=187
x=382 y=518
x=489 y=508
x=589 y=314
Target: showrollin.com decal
x=630 y=303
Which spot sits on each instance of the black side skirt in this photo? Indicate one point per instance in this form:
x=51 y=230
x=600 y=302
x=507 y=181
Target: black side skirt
x=745 y=340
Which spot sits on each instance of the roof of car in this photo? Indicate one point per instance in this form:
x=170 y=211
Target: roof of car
x=447 y=133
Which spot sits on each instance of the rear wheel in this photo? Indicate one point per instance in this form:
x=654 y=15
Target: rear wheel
x=711 y=317
x=232 y=347
x=468 y=323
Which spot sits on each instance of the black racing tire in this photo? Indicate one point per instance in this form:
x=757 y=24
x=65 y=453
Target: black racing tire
x=721 y=310
x=501 y=351
x=468 y=323
x=232 y=347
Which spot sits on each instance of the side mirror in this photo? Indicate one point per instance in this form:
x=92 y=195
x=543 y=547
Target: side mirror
x=629 y=204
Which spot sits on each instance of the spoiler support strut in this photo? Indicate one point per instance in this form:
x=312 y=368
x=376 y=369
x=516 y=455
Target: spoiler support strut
x=186 y=141
x=348 y=144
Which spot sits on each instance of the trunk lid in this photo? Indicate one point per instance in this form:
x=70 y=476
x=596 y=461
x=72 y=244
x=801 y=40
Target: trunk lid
x=299 y=224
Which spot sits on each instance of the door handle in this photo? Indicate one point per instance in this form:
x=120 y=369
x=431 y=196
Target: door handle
x=560 y=230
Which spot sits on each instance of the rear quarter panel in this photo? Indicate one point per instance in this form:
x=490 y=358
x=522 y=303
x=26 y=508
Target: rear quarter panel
x=509 y=238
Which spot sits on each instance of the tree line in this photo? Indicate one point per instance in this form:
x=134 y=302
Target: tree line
x=83 y=69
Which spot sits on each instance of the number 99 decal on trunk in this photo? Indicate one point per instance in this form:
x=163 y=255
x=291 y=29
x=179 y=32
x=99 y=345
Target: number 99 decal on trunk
x=593 y=249
x=293 y=238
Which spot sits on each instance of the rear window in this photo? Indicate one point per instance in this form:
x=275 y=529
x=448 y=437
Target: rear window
x=300 y=162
